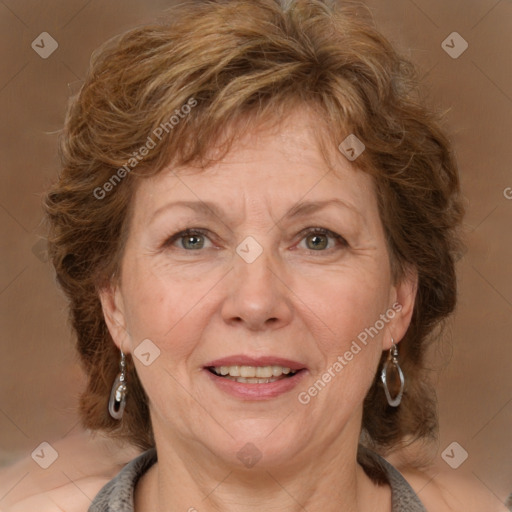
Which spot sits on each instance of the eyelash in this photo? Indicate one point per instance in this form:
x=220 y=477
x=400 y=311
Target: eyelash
x=308 y=231
x=327 y=232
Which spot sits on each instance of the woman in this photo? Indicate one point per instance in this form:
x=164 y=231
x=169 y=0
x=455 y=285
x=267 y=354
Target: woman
x=256 y=226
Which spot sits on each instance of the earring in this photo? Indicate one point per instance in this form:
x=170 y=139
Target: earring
x=392 y=363
x=117 y=401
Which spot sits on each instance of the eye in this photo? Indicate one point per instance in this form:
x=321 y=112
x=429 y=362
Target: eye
x=317 y=239
x=189 y=239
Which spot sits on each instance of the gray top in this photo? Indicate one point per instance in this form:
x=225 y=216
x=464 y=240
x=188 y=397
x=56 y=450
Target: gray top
x=117 y=495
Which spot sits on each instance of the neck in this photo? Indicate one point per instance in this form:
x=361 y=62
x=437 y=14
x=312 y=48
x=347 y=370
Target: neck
x=189 y=480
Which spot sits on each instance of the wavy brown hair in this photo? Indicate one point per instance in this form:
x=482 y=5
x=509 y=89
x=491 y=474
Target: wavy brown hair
x=257 y=59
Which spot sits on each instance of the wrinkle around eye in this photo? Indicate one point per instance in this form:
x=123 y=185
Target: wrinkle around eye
x=339 y=240
x=182 y=235
x=163 y=240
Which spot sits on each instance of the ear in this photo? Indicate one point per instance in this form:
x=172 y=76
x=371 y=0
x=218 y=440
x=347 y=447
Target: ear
x=115 y=316
x=403 y=298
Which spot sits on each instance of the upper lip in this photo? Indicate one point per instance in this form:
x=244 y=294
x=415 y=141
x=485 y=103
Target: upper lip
x=243 y=360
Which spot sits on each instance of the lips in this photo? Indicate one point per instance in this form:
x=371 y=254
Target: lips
x=286 y=374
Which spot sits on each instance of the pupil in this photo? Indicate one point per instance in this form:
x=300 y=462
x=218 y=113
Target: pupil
x=190 y=240
x=318 y=242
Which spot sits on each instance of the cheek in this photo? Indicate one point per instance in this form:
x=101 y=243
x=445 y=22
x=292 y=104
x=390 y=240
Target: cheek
x=169 y=308
x=344 y=305
x=349 y=345
x=363 y=305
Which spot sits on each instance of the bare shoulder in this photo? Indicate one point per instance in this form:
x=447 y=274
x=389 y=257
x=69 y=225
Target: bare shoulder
x=74 y=496
x=84 y=463
x=447 y=490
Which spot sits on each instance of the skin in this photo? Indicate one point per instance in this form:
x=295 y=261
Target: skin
x=293 y=301
x=288 y=302
x=88 y=461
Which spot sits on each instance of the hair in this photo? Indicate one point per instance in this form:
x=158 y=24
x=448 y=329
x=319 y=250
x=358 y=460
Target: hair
x=211 y=64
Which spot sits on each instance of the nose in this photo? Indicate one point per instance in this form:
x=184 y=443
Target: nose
x=257 y=294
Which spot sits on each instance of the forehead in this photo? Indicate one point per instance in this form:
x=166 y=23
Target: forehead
x=273 y=165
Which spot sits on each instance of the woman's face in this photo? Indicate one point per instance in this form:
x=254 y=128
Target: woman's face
x=253 y=285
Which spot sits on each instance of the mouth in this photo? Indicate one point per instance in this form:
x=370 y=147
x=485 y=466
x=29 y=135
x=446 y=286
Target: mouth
x=253 y=374
x=255 y=378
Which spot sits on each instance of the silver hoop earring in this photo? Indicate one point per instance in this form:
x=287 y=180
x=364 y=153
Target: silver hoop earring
x=117 y=401
x=392 y=364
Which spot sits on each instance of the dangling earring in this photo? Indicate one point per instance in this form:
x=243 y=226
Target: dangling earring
x=393 y=363
x=117 y=401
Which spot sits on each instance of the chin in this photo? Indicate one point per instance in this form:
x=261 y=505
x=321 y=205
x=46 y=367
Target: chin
x=261 y=443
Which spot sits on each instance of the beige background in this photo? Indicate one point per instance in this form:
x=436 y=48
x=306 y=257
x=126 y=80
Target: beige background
x=40 y=376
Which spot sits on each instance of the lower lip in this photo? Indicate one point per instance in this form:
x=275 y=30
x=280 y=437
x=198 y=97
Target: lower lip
x=263 y=391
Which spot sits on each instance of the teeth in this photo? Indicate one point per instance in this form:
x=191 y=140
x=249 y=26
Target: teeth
x=247 y=371
x=264 y=372
x=252 y=372
x=277 y=370
x=251 y=380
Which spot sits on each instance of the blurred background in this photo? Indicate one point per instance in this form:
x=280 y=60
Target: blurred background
x=462 y=48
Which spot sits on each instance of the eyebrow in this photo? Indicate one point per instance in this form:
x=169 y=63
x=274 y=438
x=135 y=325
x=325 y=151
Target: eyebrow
x=299 y=210
x=306 y=208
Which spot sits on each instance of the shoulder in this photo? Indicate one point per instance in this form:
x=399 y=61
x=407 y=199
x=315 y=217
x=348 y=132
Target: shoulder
x=74 y=496
x=85 y=463
x=443 y=490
